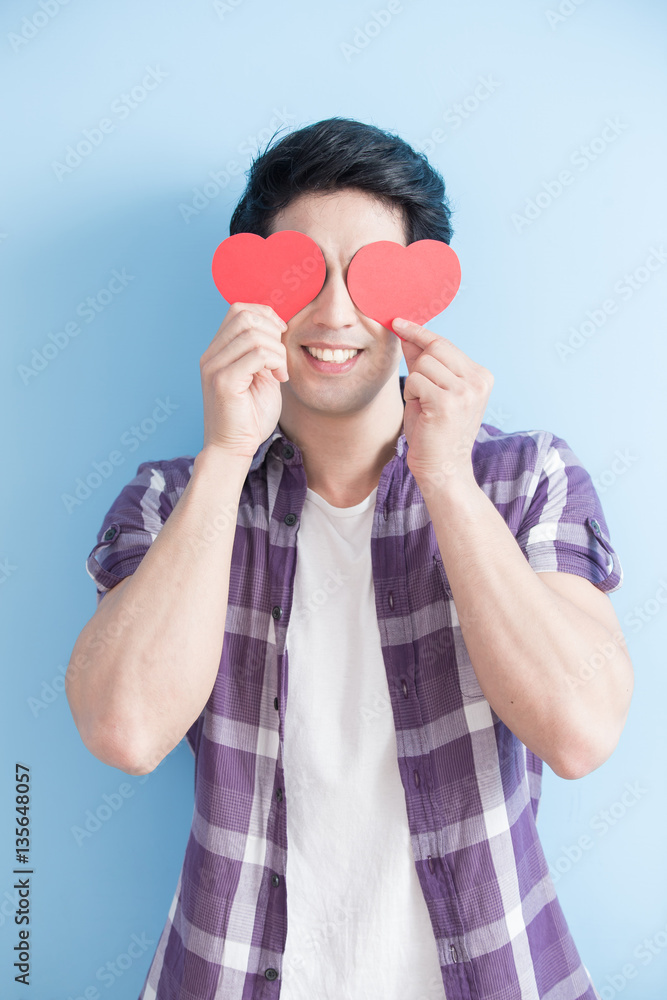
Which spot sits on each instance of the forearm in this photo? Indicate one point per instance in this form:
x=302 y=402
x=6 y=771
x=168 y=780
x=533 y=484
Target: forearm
x=144 y=666
x=532 y=650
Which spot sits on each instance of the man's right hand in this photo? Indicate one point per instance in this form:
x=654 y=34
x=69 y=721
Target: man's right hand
x=241 y=371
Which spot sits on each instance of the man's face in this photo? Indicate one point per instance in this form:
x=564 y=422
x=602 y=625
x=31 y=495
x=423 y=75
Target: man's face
x=340 y=223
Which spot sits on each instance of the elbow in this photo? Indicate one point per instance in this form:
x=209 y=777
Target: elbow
x=585 y=752
x=130 y=763
x=115 y=749
x=586 y=760
x=111 y=745
x=571 y=770
x=123 y=758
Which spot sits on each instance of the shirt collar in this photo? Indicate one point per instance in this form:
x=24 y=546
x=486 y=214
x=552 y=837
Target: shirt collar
x=260 y=454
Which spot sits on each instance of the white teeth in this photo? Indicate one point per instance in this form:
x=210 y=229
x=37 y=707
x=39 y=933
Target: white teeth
x=327 y=355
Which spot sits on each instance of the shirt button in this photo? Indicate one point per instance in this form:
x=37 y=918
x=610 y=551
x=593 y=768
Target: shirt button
x=390 y=599
x=275 y=880
x=288 y=451
x=275 y=704
x=595 y=526
x=453 y=953
x=271 y=973
x=277 y=612
x=109 y=534
x=279 y=794
x=290 y=519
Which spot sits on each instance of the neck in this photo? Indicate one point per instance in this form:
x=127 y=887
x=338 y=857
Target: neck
x=344 y=453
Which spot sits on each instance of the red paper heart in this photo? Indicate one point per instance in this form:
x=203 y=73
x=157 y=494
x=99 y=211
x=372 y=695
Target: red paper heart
x=285 y=271
x=386 y=280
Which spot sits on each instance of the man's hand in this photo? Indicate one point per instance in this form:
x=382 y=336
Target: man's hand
x=445 y=394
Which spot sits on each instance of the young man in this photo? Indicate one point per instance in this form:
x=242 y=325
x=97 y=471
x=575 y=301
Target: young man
x=368 y=719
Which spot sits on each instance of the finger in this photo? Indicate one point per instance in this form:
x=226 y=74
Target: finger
x=239 y=321
x=248 y=360
x=422 y=389
x=433 y=369
x=261 y=309
x=242 y=343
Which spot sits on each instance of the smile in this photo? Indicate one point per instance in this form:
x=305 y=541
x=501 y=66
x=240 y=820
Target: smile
x=335 y=361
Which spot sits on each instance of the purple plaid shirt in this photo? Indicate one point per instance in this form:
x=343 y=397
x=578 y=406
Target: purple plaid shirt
x=472 y=788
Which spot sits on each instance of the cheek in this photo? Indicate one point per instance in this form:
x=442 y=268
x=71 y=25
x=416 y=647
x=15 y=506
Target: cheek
x=395 y=345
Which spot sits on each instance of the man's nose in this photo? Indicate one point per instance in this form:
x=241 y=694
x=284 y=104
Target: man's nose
x=333 y=306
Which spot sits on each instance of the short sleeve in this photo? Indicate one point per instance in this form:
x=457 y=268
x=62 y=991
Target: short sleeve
x=130 y=526
x=564 y=528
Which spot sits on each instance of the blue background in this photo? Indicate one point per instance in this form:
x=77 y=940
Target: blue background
x=231 y=75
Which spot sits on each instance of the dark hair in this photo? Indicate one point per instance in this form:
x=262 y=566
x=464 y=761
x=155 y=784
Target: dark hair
x=343 y=153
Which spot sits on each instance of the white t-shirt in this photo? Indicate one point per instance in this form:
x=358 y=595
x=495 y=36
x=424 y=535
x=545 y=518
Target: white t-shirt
x=358 y=926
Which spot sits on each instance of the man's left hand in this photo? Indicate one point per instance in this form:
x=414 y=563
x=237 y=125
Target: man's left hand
x=446 y=394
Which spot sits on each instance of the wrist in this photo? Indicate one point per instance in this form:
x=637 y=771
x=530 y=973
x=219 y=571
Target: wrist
x=447 y=480
x=218 y=461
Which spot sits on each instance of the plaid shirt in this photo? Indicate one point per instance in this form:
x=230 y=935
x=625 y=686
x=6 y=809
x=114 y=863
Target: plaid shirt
x=472 y=787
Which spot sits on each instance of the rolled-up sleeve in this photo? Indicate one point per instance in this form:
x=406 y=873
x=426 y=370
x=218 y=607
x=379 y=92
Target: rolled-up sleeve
x=564 y=528
x=129 y=528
